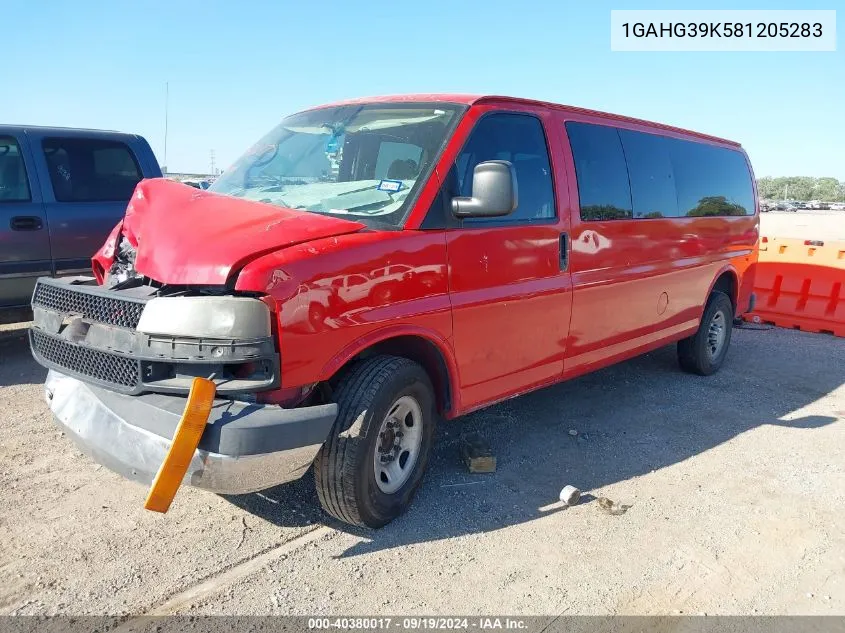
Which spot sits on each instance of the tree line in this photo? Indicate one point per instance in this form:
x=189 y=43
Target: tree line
x=801 y=188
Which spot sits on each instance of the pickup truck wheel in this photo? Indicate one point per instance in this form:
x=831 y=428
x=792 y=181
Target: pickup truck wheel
x=373 y=461
x=704 y=352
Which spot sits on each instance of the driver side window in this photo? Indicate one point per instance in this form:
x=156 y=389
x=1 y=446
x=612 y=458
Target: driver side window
x=519 y=139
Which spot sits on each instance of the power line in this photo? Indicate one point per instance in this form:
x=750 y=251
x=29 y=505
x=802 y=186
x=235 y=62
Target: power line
x=166 y=104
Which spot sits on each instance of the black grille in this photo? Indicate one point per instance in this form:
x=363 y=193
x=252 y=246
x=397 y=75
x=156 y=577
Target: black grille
x=94 y=307
x=106 y=368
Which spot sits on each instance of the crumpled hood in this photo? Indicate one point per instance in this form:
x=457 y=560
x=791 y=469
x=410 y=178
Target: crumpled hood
x=187 y=236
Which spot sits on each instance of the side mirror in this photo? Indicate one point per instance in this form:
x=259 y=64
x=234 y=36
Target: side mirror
x=494 y=192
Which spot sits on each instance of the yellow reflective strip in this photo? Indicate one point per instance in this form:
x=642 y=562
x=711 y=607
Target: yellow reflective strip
x=185 y=441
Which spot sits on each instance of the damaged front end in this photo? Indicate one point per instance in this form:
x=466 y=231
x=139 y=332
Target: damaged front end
x=136 y=337
x=122 y=359
x=124 y=348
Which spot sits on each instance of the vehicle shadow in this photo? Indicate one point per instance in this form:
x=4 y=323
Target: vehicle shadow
x=630 y=419
x=17 y=367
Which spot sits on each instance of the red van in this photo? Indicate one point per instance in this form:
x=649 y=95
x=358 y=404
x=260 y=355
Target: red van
x=371 y=266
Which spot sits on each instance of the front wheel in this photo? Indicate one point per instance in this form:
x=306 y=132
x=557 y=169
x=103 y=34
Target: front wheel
x=704 y=352
x=371 y=465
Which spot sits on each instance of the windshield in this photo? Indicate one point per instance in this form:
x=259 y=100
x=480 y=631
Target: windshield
x=364 y=162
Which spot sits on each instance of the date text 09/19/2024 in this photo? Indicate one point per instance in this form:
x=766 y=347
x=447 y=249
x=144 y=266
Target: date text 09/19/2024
x=417 y=623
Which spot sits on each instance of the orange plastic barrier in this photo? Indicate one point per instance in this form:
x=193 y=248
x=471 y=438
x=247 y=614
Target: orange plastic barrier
x=801 y=284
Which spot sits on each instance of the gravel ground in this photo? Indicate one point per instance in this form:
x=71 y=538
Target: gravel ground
x=736 y=485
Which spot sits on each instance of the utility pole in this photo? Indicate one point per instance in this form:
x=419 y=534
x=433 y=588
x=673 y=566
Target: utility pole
x=166 y=104
x=212 y=163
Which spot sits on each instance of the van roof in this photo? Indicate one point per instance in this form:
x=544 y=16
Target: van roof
x=467 y=99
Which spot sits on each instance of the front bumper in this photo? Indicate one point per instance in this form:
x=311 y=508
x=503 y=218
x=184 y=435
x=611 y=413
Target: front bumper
x=244 y=448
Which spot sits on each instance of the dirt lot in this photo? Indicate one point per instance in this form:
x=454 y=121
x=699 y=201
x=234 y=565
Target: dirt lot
x=736 y=485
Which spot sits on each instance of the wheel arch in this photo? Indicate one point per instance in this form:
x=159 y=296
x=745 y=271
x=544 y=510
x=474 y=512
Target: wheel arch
x=726 y=281
x=422 y=346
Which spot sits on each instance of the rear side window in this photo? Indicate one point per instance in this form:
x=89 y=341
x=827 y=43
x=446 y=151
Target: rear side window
x=624 y=174
x=650 y=170
x=600 y=169
x=711 y=181
x=14 y=186
x=517 y=138
x=90 y=170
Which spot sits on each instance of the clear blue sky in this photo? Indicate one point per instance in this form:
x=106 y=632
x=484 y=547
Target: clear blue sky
x=235 y=67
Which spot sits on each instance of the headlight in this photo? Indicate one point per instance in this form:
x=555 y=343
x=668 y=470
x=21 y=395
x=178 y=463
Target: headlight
x=123 y=267
x=206 y=317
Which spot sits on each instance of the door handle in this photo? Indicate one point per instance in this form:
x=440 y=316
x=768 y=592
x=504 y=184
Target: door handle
x=26 y=223
x=564 y=251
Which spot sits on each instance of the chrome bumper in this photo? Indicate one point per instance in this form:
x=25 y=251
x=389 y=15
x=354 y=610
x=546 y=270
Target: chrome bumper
x=90 y=416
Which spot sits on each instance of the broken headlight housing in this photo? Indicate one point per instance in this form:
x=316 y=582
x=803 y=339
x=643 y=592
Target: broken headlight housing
x=123 y=267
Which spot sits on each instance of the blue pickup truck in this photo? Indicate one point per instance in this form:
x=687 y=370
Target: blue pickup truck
x=61 y=193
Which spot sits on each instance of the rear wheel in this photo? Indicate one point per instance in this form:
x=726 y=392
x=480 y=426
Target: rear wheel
x=373 y=461
x=704 y=352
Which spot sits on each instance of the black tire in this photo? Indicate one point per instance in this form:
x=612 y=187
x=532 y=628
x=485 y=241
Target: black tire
x=344 y=471
x=695 y=353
